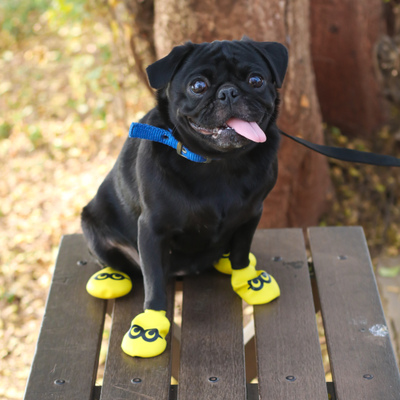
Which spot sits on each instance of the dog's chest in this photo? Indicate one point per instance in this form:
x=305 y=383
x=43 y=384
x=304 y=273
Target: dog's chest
x=213 y=216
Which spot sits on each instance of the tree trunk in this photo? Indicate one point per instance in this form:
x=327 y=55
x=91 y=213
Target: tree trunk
x=344 y=38
x=303 y=189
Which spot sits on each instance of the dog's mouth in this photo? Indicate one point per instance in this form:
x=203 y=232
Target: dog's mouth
x=215 y=132
x=248 y=130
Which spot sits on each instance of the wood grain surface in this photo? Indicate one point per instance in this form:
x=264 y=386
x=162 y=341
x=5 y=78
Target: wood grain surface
x=154 y=373
x=212 y=340
x=70 y=336
x=363 y=363
x=287 y=340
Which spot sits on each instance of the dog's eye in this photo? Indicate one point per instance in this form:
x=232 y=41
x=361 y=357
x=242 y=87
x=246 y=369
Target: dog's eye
x=256 y=81
x=198 y=86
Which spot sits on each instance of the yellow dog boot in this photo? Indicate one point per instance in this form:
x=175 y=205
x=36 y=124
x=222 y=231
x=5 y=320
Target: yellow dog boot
x=109 y=284
x=255 y=287
x=146 y=336
x=224 y=264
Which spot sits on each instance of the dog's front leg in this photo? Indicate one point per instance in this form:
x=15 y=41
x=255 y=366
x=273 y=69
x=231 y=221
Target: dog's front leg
x=253 y=286
x=146 y=336
x=241 y=243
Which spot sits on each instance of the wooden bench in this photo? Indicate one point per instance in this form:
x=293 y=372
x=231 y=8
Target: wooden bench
x=213 y=357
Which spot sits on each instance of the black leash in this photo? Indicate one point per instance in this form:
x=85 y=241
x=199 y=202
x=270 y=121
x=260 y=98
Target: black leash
x=148 y=132
x=348 y=154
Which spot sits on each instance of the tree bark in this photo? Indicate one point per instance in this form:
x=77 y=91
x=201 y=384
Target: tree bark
x=303 y=189
x=142 y=12
x=344 y=38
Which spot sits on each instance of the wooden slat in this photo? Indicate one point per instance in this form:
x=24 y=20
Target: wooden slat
x=212 y=340
x=287 y=339
x=70 y=336
x=350 y=307
x=120 y=369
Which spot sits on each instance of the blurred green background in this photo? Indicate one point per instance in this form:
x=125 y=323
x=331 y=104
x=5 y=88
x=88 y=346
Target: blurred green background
x=68 y=92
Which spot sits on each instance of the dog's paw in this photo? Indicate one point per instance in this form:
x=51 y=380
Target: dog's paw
x=109 y=284
x=224 y=264
x=254 y=287
x=146 y=336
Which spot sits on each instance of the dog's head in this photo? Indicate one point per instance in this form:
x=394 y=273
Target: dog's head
x=222 y=96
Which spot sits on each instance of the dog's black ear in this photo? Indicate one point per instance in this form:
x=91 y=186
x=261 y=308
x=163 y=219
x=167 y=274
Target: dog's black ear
x=162 y=71
x=276 y=56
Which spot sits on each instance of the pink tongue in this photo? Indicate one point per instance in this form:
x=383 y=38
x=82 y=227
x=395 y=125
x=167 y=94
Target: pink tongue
x=249 y=130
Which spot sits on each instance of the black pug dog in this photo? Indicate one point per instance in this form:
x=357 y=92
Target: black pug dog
x=219 y=101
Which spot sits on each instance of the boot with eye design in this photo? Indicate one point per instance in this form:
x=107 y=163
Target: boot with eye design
x=146 y=336
x=254 y=287
x=109 y=283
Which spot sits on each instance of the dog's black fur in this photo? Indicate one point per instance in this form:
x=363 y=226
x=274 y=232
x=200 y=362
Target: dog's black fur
x=179 y=215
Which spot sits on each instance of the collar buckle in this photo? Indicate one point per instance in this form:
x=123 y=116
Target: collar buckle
x=182 y=151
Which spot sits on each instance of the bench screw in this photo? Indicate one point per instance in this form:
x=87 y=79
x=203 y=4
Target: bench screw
x=368 y=376
x=213 y=379
x=82 y=262
x=291 y=378
x=136 y=380
x=342 y=257
x=277 y=258
x=59 y=382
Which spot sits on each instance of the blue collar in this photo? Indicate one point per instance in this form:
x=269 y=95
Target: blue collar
x=148 y=132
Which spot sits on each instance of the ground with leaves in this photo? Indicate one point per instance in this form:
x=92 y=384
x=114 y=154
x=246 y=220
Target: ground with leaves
x=67 y=95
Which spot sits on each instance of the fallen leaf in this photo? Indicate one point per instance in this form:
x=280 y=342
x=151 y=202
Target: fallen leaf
x=393 y=289
x=389 y=272
x=304 y=102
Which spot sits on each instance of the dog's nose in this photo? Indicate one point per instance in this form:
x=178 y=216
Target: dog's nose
x=227 y=93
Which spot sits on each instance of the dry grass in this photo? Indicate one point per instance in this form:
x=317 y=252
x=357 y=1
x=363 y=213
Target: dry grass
x=66 y=98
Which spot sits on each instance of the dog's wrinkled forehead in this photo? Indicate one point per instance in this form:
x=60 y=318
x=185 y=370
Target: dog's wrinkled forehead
x=223 y=59
x=229 y=56
x=227 y=51
x=231 y=51
x=222 y=50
